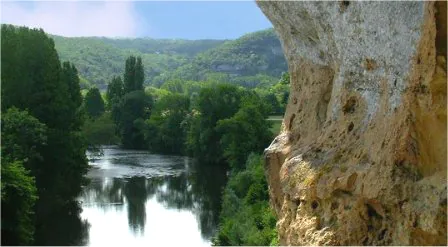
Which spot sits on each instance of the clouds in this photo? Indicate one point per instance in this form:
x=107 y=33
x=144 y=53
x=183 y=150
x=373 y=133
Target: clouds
x=109 y=19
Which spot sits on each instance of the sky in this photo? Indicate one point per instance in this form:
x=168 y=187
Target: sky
x=155 y=19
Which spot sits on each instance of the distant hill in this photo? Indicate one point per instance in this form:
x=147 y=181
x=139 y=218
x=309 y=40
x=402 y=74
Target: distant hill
x=252 y=59
x=247 y=61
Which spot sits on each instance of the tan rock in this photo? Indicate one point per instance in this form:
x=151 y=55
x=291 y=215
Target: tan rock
x=361 y=157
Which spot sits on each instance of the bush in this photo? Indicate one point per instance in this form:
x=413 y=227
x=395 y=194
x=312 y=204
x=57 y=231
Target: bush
x=246 y=217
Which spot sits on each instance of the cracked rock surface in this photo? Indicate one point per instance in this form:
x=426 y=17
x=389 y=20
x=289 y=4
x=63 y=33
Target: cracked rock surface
x=361 y=157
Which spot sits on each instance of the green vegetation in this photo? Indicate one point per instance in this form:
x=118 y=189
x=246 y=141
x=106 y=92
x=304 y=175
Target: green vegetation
x=43 y=152
x=246 y=217
x=165 y=129
x=221 y=125
x=100 y=131
x=207 y=99
x=251 y=60
x=93 y=103
x=21 y=134
x=129 y=106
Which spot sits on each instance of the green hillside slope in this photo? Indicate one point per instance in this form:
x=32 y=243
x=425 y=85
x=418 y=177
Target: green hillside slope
x=252 y=59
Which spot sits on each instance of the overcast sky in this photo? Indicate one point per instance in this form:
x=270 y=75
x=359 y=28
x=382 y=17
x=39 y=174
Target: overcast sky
x=155 y=19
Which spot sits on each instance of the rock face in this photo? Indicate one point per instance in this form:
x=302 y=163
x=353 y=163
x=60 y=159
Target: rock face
x=361 y=158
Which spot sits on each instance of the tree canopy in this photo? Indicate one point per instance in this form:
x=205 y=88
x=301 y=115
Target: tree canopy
x=44 y=156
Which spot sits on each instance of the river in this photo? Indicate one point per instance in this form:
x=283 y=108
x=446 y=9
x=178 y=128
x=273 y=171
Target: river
x=136 y=198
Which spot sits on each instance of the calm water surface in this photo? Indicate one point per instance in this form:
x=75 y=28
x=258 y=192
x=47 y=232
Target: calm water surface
x=138 y=198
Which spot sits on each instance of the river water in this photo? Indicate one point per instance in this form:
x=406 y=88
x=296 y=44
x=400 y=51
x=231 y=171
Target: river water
x=135 y=198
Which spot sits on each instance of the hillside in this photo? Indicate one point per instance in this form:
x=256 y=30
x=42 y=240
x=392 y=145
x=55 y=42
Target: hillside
x=254 y=58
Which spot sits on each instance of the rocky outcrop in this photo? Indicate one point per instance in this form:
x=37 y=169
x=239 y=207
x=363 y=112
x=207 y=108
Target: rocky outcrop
x=361 y=157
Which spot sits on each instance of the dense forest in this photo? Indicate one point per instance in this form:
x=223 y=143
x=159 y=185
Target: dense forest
x=220 y=119
x=43 y=152
x=250 y=60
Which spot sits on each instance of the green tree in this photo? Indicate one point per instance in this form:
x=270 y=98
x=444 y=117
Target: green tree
x=272 y=100
x=93 y=103
x=246 y=217
x=133 y=74
x=115 y=91
x=139 y=75
x=213 y=104
x=285 y=79
x=174 y=86
x=114 y=95
x=245 y=132
x=34 y=80
x=22 y=137
x=69 y=76
x=129 y=74
x=18 y=197
x=100 y=131
x=134 y=108
x=165 y=130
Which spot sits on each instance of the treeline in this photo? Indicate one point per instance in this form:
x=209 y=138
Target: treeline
x=217 y=123
x=253 y=59
x=43 y=156
x=47 y=125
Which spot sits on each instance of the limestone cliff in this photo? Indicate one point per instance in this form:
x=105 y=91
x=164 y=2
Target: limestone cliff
x=361 y=157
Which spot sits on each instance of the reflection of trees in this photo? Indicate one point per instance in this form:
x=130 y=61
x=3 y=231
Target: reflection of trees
x=198 y=190
x=104 y=193
x=109 y=193
x=61 y=225
x=207 y=183
x=175 y=193
x=136 y=195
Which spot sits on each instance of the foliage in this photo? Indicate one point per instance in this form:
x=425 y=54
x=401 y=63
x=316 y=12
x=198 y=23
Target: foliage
x=93 y=103
x=246 y=217
x=115 y=91
x=18 y=197
x=100 y=131
x=247 y=131
x=165 y=46
x=277 y=94
x=133 y=74
x=253 y=59
x=134 y=108
x=22 y=135
x=165 y=130
x=129 y=104
x=34 y=80
x=213 y=104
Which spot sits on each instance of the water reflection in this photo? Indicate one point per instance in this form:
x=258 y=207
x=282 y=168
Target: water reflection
x=173 y=192
x=57 y=226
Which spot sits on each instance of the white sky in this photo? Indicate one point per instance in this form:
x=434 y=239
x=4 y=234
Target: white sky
x=110 y=19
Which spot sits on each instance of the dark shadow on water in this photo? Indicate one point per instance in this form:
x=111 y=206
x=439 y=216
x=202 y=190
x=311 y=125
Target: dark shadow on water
x=61 y=225
x=193 y=187
x=198 y=190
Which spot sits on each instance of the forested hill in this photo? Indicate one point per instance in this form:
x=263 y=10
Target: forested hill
x=252 y=59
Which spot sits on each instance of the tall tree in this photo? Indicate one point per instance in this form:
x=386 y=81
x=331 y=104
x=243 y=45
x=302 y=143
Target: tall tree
x=22 y=135
x=134 y=108
x=165 y=131
x=134 y=74
x=129 y=75
x=245 y=132
x=69 y=76
x=33 y=80
x=213 y=104
x=115 y=91
x=139 y=75
x=94 y=103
